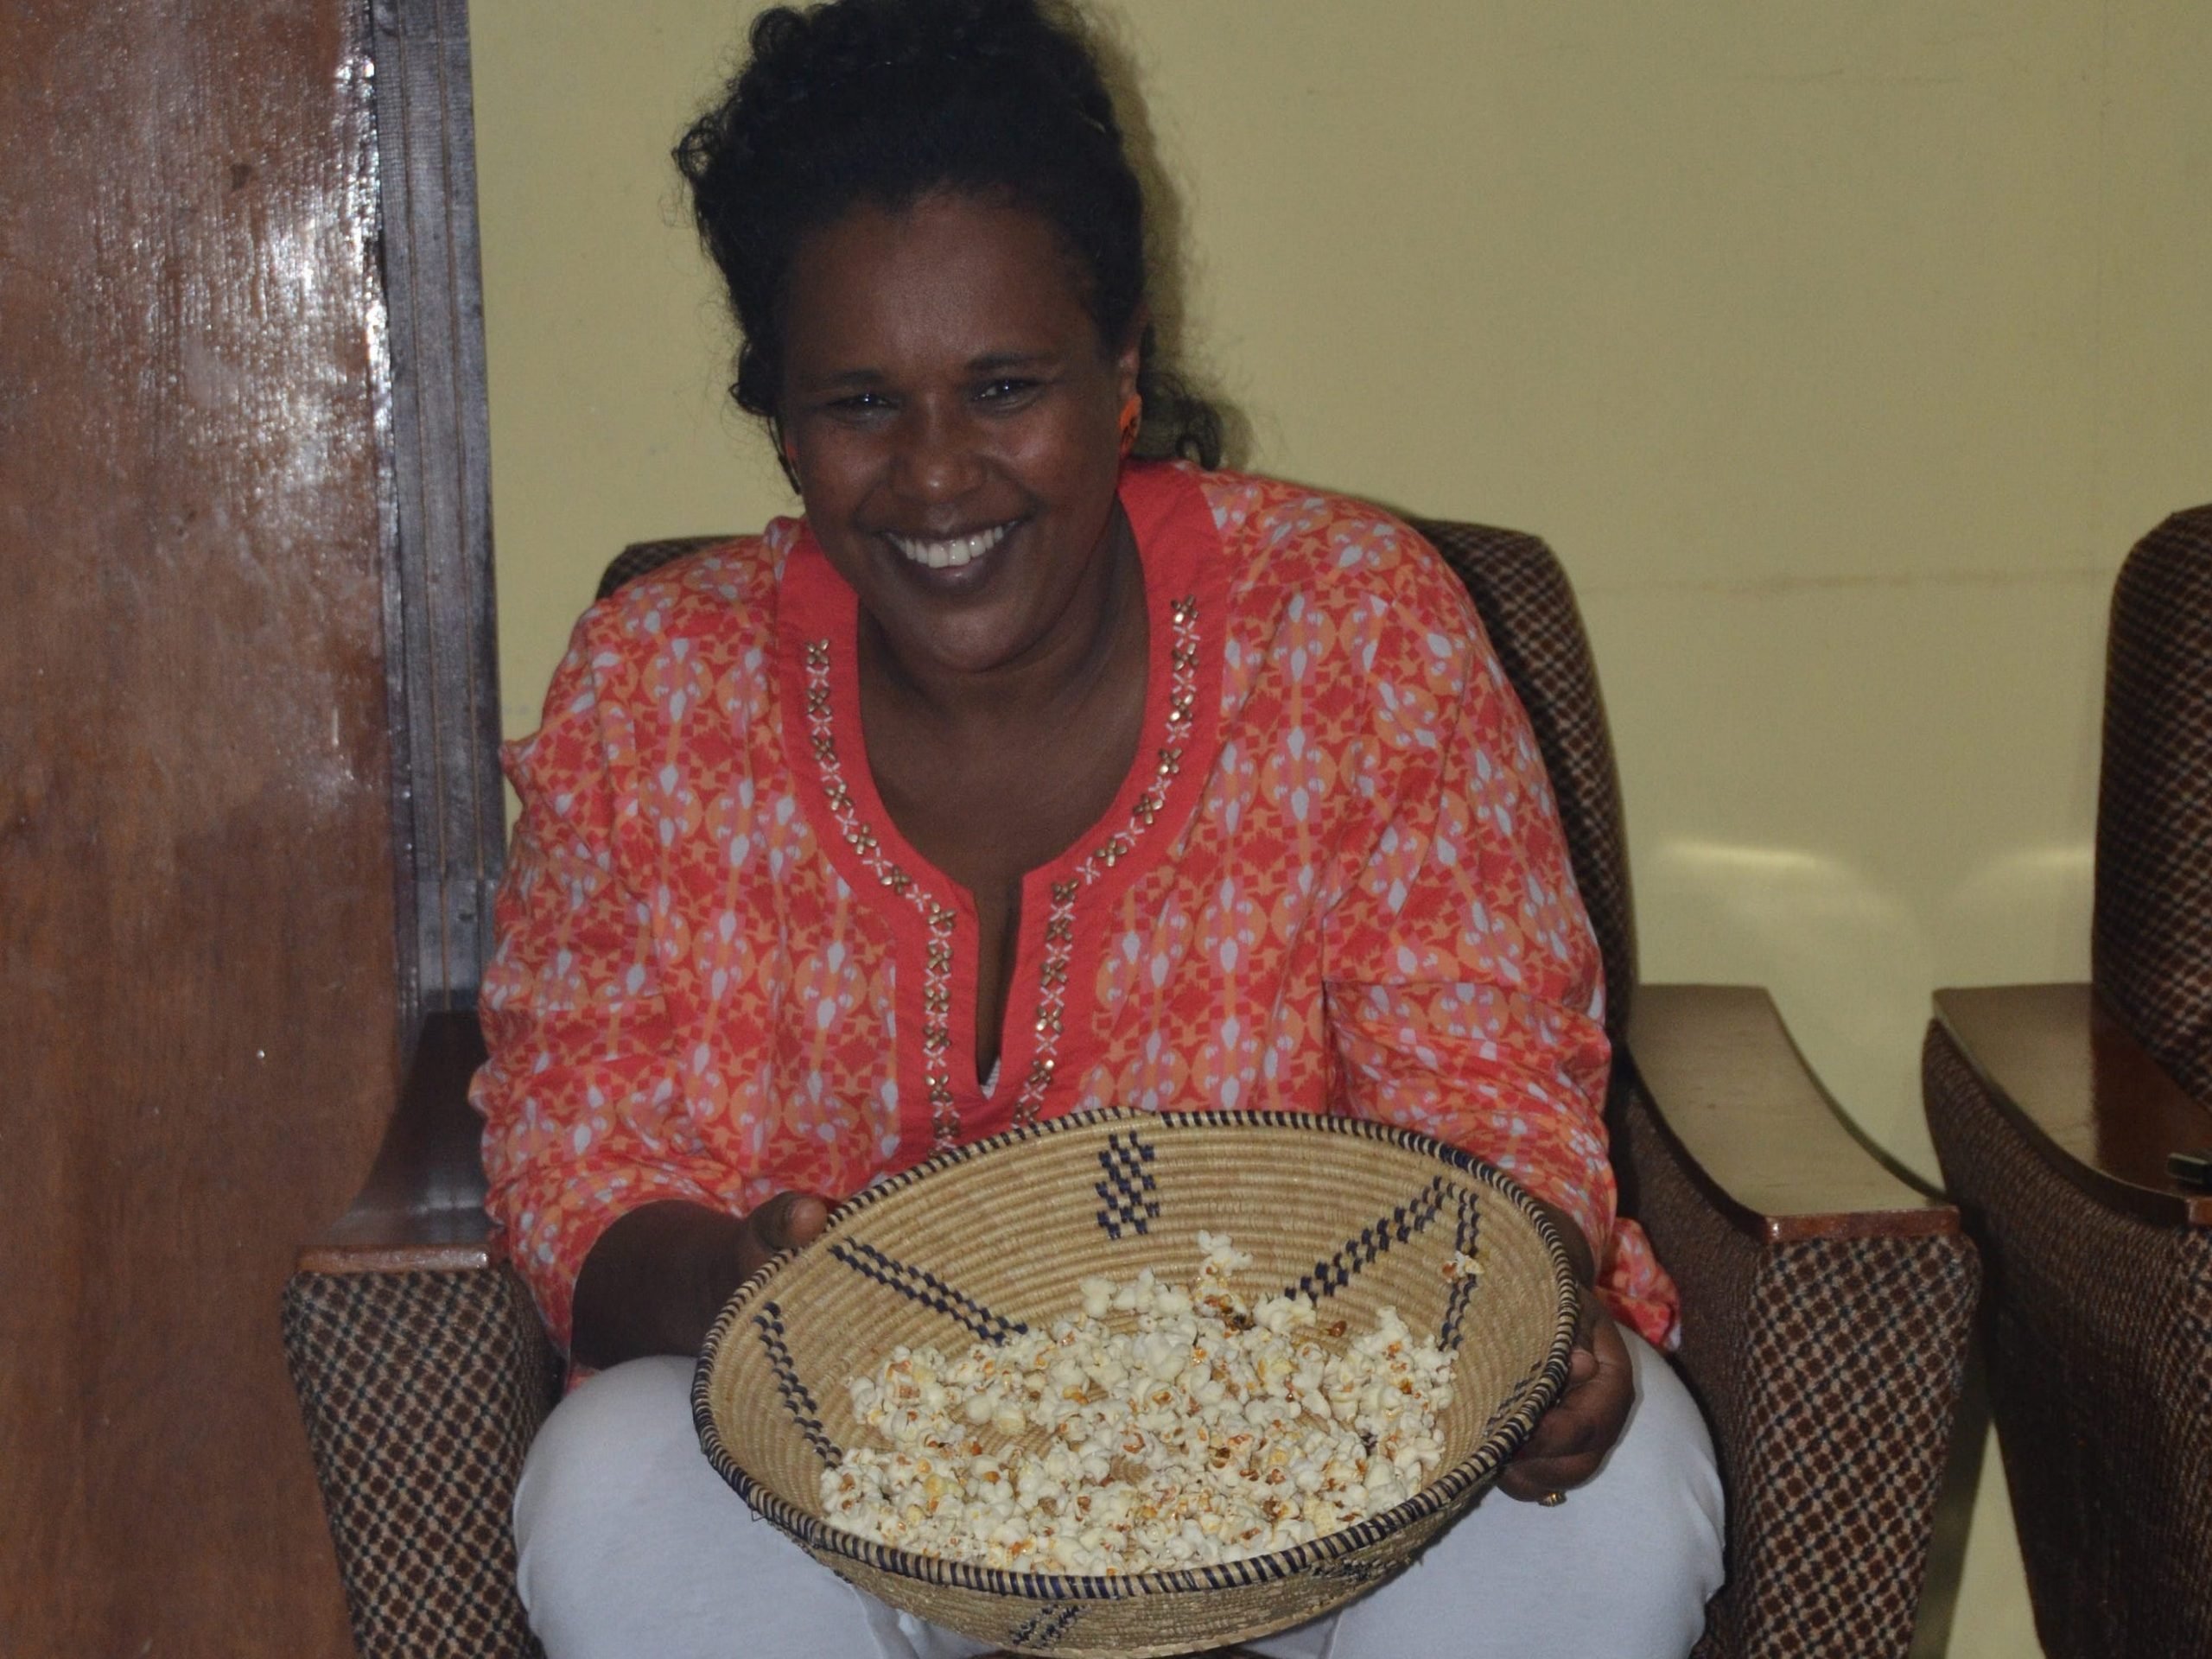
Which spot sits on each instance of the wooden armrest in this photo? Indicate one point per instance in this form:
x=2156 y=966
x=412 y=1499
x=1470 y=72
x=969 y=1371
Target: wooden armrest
x=421 y=1209
x=2084 y=1093
x=1736 y=1098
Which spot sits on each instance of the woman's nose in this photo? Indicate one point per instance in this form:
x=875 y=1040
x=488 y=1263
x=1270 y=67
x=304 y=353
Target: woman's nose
x=938 y=459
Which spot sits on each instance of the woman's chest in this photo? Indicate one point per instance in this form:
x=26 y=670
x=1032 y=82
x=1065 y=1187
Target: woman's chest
x=828 y=994
x=814 y=1014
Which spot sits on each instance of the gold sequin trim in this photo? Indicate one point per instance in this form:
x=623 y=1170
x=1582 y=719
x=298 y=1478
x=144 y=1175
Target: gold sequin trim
x=1059 y=925
x=936 y=979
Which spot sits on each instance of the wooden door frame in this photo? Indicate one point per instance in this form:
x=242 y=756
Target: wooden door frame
x=434 y=440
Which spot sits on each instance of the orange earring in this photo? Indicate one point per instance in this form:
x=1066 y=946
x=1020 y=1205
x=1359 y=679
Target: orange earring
x=1131 y=418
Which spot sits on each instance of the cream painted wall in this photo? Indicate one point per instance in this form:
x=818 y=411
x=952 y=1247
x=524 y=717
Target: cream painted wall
x=1842 y=347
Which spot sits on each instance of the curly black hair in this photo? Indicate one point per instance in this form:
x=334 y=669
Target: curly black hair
x=885 y=101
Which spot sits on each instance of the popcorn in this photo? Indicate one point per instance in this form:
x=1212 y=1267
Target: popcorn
x=1163 y=1426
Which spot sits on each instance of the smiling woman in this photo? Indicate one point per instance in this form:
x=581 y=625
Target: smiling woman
x=1029 y=772
x=952 y=417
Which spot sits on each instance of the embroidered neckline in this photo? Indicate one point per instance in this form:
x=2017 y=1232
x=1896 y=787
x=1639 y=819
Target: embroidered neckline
x=1179 y=540
x=1060 y=924
x=942 y=919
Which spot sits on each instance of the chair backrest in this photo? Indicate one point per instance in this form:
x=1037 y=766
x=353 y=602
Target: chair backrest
x=1528 y=610
x=2151 y=946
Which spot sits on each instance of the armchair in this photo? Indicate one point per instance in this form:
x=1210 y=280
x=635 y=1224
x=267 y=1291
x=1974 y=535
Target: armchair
x=2054 y=1109
x=1826 y=1302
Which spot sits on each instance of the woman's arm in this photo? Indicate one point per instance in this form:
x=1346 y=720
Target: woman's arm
x=657 y=1277
x=1462 y=983
x=583 y=1096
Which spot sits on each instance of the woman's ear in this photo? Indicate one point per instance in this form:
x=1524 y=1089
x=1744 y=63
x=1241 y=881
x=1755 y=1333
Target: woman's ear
x=1128 y=360
x=787 y=453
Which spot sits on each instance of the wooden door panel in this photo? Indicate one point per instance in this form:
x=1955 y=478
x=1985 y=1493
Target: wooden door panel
x=197 y=985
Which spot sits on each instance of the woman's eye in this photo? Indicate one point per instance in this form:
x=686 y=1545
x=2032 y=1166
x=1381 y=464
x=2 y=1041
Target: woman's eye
x=859 y=405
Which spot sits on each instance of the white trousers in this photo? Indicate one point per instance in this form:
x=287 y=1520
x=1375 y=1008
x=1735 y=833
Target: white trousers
x=631 y=1545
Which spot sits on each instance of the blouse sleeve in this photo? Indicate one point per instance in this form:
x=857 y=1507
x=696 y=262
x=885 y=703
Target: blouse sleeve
x=582 y=1102
x=1464 y=987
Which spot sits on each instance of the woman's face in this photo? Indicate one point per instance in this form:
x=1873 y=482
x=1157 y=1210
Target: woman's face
x=954 y=423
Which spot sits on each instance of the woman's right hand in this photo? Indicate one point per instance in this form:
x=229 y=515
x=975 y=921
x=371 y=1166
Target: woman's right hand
x=657 y=1278
x=784 y=1222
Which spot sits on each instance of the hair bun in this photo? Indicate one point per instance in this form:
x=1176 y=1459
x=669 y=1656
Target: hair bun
x=884 y=100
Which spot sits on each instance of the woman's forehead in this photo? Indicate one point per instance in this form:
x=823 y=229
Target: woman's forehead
x=951 y=276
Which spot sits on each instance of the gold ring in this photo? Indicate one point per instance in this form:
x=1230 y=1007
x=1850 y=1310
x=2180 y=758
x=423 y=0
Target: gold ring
x=1551 y=1500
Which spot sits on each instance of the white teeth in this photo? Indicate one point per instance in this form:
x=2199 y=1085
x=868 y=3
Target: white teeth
x=953 y=552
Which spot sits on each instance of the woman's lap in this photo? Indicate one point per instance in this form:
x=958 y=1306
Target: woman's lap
x=1625 y=1566
x=629 y=1542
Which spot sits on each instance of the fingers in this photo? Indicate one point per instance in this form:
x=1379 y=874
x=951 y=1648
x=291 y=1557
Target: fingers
x=807 y=1218
x=1572 y=1439
x=789 y=1220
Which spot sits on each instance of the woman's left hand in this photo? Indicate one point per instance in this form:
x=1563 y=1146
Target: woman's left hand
x=1572 y=1439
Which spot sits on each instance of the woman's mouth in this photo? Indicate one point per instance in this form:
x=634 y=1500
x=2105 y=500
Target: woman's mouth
x=950 y=552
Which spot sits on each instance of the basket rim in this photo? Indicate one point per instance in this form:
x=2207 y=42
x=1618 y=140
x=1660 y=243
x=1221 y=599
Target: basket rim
x=1447 y=1490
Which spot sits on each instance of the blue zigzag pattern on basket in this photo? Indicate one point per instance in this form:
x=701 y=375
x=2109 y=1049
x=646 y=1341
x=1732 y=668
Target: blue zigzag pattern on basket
x=797 y=1401
x=1041 y=1629
x=1360 y=1569
x=1372 y=1240
x=920 y=1284
x=1128 y=1187
x=1455 y=1305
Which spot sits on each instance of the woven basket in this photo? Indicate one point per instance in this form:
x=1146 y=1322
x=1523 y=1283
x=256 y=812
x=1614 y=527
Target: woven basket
x=986 y=1240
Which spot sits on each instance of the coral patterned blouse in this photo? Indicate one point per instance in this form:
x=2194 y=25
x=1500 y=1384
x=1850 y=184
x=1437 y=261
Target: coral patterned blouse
x=1334 y=881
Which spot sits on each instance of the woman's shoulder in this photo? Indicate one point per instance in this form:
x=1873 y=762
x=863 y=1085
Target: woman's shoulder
x=720 y=595
x=1348 y=558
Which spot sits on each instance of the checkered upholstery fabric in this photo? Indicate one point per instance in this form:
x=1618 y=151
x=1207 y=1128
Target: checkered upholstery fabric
x=421 y=1391
x=1829 y=1369
x=1528 y=609
x=2153 y=944
x=2100 y=1343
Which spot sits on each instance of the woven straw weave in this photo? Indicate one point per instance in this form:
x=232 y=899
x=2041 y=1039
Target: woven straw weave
x=1829 y=1369
x=990 y=1240
x=2100 y=1342
x=2153 y=943
x=422 y=1392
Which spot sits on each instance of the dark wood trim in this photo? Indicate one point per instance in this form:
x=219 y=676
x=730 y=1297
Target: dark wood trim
x=1748 y=1113
x=422 y=1208
x=2084 y=1093
x=448 y=811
